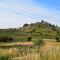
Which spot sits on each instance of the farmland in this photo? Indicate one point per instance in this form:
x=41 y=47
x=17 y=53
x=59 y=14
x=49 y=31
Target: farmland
x=35 y=41
x=49 y=51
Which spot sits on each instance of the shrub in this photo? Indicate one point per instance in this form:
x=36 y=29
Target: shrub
x=6 y=39
x=4 y=58
x=57 y=38
x=38 y=42
x=29 y=38
x=25 y=25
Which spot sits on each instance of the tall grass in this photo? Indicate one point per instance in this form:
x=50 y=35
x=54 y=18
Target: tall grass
x=43 y=53
x=11 y=52
x=52 y=53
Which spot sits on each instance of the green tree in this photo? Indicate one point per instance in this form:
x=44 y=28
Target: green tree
x=57 y=38
x=6 y=39
x=29 y=38
x=25 y=25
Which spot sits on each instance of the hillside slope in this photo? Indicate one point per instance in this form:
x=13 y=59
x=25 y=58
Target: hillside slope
x=42 y=28
x=39 y=29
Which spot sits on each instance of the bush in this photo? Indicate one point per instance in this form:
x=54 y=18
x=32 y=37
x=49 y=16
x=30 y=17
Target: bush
x=6 y=39
x=29 y=38
x=57 y=38
x=38 y=42
x=25 y=25
x=4 y=58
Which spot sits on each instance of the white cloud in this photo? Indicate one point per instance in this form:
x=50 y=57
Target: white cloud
x=16 y=14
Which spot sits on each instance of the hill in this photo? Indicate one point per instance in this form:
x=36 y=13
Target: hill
x=41 y=29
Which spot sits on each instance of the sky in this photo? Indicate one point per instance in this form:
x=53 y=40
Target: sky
x=15 y=13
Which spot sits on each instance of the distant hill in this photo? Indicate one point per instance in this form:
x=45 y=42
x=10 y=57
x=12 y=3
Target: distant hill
x=38 y=29
x=43 y=28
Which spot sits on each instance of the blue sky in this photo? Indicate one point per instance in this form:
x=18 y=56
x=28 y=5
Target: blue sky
x=15 y=13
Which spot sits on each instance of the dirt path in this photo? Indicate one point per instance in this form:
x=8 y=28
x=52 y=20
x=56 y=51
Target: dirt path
x=17 y=44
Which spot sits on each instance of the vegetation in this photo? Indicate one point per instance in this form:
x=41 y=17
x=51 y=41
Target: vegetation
x=29 y=38
x=30 y=42
x=42 y=29
x=4 y=58
x=30 y=53
x=38 y=42
x=57 y=39
x=25 y=25
x=6 y=39
x=39 y=29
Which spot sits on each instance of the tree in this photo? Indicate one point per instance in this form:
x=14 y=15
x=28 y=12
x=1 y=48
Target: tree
x=29 y=38
x=33 y=30
x=6 y=39
x=25 y=25
x=42 y=21
x=53 y=27
x=57 y=38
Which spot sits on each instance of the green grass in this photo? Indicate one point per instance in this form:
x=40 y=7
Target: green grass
x=4 y=58
x=20 y=38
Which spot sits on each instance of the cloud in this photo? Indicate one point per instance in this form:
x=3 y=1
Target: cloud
x=16 y=13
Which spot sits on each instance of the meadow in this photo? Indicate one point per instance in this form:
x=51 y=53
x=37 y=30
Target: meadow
x=35 y=41
x=49 y=51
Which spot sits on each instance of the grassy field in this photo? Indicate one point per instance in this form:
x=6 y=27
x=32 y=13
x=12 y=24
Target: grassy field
x=42 y=54
x=49 y=51
x=35 y=41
